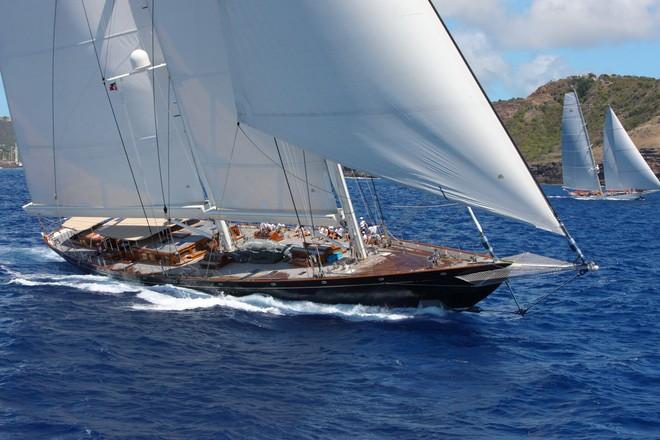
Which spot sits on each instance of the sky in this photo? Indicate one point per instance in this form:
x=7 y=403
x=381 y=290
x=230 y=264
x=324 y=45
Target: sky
x=514 y=46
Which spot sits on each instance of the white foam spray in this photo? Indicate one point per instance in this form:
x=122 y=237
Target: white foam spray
x=173 y=298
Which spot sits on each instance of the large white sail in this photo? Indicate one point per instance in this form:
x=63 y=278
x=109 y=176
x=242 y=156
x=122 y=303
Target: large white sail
x=241 y=164
x=378 y=85
x=625 y=168
x=77 y=161
x=578 y=166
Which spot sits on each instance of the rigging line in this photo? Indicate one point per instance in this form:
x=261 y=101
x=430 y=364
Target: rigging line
x=424 y=206
x=309 y=197
x=372 y=200
x=275 y=162
x=107 y=52
x=114 y=117
x=169 y=115
x=544 y=297
x=293 y=201
x=201 y=179
x=380 y=209
x=221 y=201
x=52 y=108
x=286 y=178
x=153 y=94
x=364 y=201
x=311 y=214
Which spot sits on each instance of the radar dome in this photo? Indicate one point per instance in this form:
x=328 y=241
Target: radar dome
x=140 y=59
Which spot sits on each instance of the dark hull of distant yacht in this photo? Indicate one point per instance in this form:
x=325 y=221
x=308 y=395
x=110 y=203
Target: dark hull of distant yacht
x=608 y=195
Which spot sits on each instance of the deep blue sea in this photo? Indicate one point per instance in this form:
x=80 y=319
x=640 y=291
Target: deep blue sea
x=86 y=357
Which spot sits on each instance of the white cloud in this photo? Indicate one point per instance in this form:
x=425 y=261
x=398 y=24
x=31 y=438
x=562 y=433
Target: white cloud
x=540 y=70
x=472 y=11
x=570 y=23
x=493 y=70
x=557 y=23
x=488 y=64
x=486 y=30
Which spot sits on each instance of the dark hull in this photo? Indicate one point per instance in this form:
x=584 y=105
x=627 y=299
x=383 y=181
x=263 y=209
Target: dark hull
x=440 y=287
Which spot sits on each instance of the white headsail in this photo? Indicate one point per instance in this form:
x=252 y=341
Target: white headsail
x=380 y=86
x=78 y=160
x=578 y=166
x=625 y=168
x=241 y=164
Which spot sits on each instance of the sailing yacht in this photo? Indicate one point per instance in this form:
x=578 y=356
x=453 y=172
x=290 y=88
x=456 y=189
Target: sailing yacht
x=579 y=169
x=627 y=175
x=201 y=144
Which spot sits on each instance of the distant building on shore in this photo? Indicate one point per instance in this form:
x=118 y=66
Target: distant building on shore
x=9 y=157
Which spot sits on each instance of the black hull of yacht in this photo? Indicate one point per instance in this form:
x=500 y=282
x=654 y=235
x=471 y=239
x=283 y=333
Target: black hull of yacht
x=424 y=287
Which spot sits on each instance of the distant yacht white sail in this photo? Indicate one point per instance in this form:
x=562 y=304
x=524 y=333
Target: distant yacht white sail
x=579 y=169
x=626 y=171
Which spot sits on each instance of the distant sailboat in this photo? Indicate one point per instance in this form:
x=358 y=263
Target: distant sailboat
x=167 y=120
x=627 y=175
x=579 y=169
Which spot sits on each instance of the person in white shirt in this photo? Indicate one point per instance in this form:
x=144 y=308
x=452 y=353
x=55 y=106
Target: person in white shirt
x=363 y=225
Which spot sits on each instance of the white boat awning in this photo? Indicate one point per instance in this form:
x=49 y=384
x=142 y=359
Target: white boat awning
x=80 y=224
x=133 y=229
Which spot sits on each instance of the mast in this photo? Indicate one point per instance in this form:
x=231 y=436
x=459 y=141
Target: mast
x=339 y=181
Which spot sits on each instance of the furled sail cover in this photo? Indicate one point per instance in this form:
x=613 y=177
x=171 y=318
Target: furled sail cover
x=625 y=168
x=80 y=157
x=241 y=164
x=377 y=85
x=578 y=166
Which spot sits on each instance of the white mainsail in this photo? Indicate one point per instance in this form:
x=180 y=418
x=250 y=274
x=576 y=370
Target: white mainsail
x=241 y=165
x=625 y=168
x=380 y=86
x=579 y=169
x=72 y=149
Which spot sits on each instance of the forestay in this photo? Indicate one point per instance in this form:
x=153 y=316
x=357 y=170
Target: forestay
x=625 y=168
x=377 y=85
x=71 y=148
x=578 y=166
x=240 y=164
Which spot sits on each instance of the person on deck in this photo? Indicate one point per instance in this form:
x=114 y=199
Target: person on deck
x=363 y=225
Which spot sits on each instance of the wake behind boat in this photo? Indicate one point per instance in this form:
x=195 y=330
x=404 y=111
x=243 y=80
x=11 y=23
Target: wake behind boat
x=173 y=129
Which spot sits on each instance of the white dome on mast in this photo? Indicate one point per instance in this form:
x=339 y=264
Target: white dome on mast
x=140 y=60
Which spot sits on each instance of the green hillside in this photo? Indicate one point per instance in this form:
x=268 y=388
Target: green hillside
x=535 y=122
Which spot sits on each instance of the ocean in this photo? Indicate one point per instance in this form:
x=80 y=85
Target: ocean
x=87 y=357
